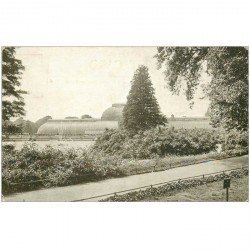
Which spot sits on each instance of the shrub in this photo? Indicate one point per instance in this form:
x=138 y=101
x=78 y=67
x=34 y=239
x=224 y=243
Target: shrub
x=8 y=147
x=157 y=142
x=54 y=167
x=234 y=139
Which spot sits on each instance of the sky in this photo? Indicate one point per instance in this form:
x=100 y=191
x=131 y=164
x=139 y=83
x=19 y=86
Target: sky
x=72 y=81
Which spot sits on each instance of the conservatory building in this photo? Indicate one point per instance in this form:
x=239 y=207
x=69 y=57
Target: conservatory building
x=88 y=126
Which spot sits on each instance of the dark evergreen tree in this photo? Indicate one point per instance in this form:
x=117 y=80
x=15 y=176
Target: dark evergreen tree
x=142 y=110
x=12 y=100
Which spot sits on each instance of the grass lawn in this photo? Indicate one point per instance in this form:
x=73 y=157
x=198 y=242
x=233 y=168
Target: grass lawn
x=209 y=192
x=133 y=167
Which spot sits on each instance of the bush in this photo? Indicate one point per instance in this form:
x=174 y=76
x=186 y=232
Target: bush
x=8 y=147
x=234 y=139
x=157 y=142
x=23 y=170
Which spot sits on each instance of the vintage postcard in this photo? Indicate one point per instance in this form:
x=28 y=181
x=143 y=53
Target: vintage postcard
x=124 y=124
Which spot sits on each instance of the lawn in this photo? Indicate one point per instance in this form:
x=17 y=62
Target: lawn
x=209 y=192
x=131 y=167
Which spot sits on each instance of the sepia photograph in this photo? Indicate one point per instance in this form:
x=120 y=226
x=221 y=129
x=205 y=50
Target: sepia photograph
x=125 y=124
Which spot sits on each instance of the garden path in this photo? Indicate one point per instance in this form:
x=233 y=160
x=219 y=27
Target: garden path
x=86 y=190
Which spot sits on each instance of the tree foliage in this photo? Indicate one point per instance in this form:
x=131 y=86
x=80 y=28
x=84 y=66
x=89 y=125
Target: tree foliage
x=9 y=128
x=71 y=117
x=157 y=142
x=12 y=100
x=228 y=88
x=54 y=166
x=142 y=111
x=85 y=116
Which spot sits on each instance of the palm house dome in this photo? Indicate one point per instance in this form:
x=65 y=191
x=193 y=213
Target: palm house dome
x=113 y=113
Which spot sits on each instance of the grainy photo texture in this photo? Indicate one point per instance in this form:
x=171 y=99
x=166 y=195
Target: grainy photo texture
x=124 y=124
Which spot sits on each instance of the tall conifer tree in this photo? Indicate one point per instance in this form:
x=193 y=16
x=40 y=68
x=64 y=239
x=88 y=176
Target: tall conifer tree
x=142 y=110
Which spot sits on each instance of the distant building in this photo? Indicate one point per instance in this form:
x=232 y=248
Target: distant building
x=76 y=127
x=87 y=126
x=73 y=127
x=190 y=122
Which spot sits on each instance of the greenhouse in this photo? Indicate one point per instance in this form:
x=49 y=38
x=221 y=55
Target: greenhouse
x=76 y=127
x=87 y=126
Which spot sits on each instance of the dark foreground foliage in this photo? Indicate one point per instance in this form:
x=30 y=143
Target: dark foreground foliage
x=173 y=186
x=31 y=168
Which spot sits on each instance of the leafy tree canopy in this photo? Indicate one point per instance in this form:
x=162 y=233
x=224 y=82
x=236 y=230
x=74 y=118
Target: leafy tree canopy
x=228 y=89
x=142 y=111
x=12 y=100
x=9 y=128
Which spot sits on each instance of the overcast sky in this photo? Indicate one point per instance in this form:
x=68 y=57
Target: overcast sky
x=72 y=81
